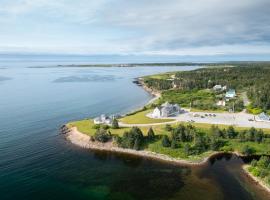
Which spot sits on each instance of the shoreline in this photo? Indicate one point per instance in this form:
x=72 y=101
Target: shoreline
x=83 y=140
x=255 y=179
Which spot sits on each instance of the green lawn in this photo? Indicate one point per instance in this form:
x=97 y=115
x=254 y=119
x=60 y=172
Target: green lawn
x=86 y=126
x=141 y=118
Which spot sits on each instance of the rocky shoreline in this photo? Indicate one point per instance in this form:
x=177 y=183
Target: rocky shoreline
x=84 y=141
x=255 y=179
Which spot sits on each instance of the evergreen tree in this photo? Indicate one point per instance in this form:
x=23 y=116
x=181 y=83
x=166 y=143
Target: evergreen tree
x=165 y=141
x=115 y=124
x=151 y=134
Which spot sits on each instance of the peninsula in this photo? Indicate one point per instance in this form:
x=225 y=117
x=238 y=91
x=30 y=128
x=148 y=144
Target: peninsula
x=195 y=114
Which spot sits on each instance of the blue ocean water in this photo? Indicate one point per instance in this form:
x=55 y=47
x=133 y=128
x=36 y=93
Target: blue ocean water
x=36 y=162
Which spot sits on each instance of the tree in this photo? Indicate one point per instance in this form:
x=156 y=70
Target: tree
x=187 y=149
x=165 y=141
x=246 y=150
x=115 y=124
x=231 y=133
x=173 y=144
x=168 y=127
x=151 y=134
x=259 y=135
x=102 y=135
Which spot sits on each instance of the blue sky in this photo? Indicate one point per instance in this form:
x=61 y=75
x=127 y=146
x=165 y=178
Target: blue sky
x=141 y=27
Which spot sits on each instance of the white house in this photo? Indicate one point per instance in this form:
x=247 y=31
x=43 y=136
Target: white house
x=217 y=87
x=220 y=88
x=103 y=119
x=221 y=103
x=166 y=110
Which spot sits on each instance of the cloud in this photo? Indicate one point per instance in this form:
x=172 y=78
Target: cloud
x=127 y=26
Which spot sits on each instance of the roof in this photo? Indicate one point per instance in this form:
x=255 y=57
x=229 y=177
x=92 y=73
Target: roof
x=264 y=116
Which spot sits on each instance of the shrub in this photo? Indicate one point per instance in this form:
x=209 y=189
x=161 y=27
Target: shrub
x=115 y=124
x=246 y=150
x=165 y=141
x=150 y=134
x=102 y=135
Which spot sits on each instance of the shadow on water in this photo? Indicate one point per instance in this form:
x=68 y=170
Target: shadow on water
x=221 y=178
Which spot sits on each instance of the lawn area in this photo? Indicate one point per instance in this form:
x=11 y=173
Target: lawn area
x=163 y=76
x=141 y=118
x=86 y=126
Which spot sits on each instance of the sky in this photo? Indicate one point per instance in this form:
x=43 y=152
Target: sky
x=137 y=27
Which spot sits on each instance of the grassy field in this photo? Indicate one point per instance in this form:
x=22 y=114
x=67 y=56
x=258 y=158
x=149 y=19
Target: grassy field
x=86 y=126
x=141 y=118
x=163 y=76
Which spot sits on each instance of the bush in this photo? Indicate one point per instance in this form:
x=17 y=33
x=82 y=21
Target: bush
x=165 y=141
x=115 y=124
x=102 y=135
x=168 y=127
x=246 y=150
x=132 y=139
x=96 y=126
x=105 y=126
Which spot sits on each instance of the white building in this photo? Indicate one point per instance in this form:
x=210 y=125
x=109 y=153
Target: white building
x=221 y=103
x=166 y=110
x=103 y=119
x=220 y=88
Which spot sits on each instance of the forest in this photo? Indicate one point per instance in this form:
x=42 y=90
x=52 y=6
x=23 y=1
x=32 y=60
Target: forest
x=251 y=78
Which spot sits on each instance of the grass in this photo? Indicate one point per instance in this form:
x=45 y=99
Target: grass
x=141 y=118
x=86 y=126
x=163 y=76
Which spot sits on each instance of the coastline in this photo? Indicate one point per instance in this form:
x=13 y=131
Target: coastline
x=156 y=95
x=83 y=140
x=255 y=179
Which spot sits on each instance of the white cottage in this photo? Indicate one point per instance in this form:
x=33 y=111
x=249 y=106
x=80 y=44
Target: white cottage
x=166 y=110
x=103 y=119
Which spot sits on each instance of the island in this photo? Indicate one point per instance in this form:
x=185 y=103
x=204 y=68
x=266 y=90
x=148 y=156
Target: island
x=193 y=116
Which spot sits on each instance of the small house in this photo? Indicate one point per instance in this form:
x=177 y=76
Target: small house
x=221 y=103
x=217 y=87
x=230 y=94
x=103 y=119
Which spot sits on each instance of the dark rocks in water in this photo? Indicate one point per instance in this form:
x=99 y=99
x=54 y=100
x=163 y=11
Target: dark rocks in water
x=64 y=129
x=137 y=82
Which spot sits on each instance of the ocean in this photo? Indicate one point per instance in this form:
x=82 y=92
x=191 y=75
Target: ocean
x=36 y=162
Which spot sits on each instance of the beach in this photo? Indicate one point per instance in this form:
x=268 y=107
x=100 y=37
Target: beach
x=83 y=140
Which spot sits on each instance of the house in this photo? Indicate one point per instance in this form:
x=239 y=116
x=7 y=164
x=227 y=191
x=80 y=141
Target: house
x=103 y=119
x=221 y=103
x=264 y=117
x=230 y=94
x=217 y=87
x=166 y=110
x=220 y=88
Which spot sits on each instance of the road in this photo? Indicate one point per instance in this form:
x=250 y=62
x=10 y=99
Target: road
x=236 y=119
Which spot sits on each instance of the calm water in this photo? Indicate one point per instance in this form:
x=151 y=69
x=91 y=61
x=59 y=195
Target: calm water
x=38 y=163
